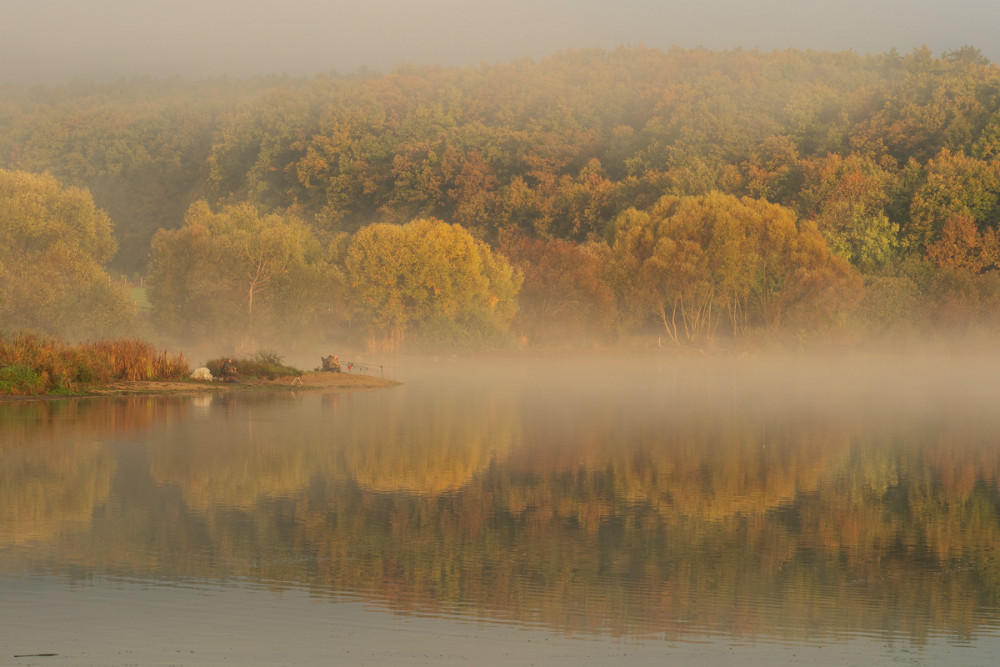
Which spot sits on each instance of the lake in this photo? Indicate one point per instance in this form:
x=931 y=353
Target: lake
x=599 y=510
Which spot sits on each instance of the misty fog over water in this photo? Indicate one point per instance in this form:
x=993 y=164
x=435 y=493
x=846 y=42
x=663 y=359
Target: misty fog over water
x=844 y=509
x=547 y=507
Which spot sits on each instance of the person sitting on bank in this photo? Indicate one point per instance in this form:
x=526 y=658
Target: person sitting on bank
x=228 y=372
x=331 y=364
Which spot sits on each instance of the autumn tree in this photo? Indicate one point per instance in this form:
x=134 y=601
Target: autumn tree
x=961 y=287
x=564 y=297
x=693 y=260
x=773 y=171
x=822 y=288
x=847 y=198
x=429 y=280
x=961 y=246
x=54 y=244
x=954 y=185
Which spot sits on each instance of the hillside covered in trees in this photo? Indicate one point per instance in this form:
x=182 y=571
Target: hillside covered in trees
x=692 y=195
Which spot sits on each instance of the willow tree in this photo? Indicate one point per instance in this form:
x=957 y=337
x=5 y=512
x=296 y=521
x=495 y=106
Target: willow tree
x=429 y=279
x=54 y=243
x=237 y=272
x=697 y=261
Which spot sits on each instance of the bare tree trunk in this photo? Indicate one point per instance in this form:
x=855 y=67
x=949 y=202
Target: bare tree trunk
x=671 y=325
x=737 y=315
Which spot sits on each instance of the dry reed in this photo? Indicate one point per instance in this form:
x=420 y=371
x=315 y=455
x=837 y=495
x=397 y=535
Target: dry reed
x=31 y=364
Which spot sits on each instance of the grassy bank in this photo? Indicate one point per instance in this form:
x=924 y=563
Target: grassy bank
x=265 y=365
x=32 y=365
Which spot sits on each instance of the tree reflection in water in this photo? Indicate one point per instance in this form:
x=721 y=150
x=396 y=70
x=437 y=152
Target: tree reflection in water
x=646 y=517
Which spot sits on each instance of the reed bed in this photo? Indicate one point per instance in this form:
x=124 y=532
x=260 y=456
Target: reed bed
x=132 y=359
x=31 y=365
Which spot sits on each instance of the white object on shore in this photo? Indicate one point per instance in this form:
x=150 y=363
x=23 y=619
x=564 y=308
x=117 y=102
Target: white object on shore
x=201 y=374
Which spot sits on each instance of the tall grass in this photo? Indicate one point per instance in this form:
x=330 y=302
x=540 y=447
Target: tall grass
x=139 y=360
x=32 y=364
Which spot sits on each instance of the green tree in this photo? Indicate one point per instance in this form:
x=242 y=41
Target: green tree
x=847 y=198
x=54 y=243
x=236 y=271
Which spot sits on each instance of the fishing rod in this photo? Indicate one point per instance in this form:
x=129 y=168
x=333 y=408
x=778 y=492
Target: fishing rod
x=335 y=365
x=351 y=365
x=365 y=368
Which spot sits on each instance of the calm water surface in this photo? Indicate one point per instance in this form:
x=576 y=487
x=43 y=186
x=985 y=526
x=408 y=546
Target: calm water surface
x=844 y=511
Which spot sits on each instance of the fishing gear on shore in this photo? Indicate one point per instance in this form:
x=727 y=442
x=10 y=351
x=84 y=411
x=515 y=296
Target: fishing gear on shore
x=332 y=364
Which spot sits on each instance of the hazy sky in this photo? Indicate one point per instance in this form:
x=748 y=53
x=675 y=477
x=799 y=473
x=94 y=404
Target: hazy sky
x=56 y=40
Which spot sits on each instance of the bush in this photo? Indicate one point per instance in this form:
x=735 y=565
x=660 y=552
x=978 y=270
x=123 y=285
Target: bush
x=265 y=365
x=20 y=381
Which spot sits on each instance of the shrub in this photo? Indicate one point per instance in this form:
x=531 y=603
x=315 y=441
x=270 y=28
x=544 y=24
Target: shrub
x=264 y=365
x=20 y=381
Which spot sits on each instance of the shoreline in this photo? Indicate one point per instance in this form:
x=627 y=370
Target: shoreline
x=307 y=381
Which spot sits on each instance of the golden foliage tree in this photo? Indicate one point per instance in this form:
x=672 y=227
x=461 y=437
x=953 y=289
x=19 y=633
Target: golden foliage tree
x=689 y=260
x=431 y=279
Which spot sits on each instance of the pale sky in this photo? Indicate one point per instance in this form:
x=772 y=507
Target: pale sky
x=52 y=41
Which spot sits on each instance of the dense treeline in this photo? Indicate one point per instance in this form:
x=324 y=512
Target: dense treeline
x=805 y=192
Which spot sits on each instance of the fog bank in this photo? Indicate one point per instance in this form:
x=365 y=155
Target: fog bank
x=53 y=41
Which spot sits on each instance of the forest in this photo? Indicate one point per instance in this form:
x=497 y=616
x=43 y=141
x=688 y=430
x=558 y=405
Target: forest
x=686 y=197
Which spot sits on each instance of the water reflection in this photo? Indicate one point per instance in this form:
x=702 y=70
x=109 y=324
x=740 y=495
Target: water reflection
x=666 y=514
x=55 y=467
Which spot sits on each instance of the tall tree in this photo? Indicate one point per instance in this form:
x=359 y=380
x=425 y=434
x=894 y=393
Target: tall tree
x=847 y=198
x=962 y=247
x=429 y=279
x=691 y=259
x=54 y=243
x=564 y=298
x=955 y=185
x=233 y=271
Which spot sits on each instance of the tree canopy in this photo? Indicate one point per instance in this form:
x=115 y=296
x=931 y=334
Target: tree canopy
x=238 y=273
x=887 y=157
x=431 y=279
x=690 y=260
x=54 y=244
